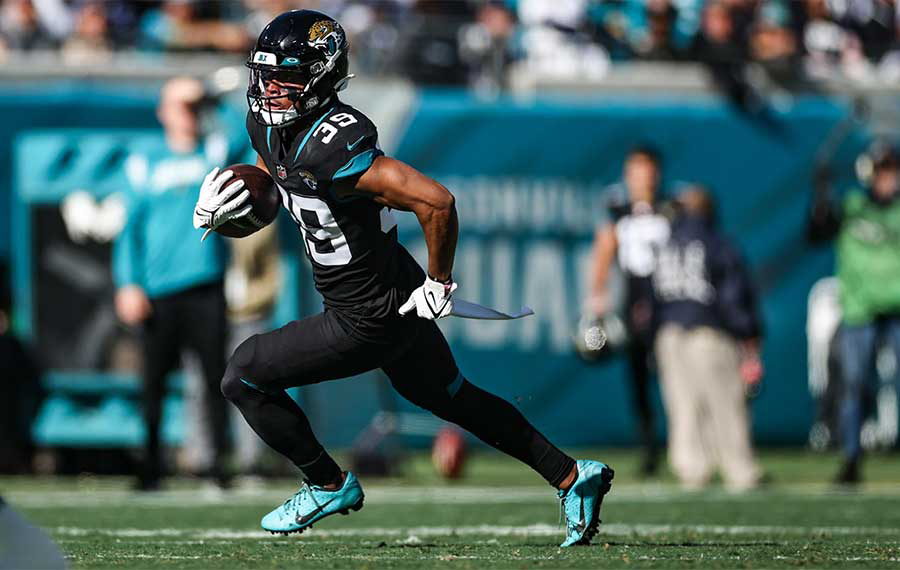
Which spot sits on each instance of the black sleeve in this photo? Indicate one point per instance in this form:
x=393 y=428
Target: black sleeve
x=346 y=145
x=735 y=294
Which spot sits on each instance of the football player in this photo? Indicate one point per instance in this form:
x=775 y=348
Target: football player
x=380 y=306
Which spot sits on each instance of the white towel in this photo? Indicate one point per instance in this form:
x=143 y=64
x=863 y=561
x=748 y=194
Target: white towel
x=467 y=310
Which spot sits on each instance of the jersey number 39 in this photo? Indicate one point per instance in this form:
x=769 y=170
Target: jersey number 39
x=328 y=130
x=325 y=243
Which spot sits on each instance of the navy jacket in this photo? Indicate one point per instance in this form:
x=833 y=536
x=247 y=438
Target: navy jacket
x=701 y=280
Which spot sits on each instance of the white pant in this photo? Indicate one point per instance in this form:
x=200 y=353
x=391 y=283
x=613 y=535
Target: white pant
x=706 y=411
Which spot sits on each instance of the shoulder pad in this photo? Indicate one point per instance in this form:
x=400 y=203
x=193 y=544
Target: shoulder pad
x=257 y=134
x=343 y=143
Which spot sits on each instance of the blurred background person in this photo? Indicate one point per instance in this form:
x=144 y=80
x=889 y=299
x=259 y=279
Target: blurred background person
x=720 y=45
x=168 y=283
x=178 y=25
x=21 y=395
x=21 y=28
x=866 y=225
x=90 y=42
x=555 y=41
x=632 y=239
x=252 y=285
x=707 y=348
x=485 y=45
x=773 y=41
x=828 y=46
x=431 y=52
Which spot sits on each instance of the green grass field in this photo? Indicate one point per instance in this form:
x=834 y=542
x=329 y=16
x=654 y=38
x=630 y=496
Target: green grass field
x=499 y=516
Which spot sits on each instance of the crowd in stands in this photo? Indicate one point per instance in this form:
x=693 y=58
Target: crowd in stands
x=459 y=41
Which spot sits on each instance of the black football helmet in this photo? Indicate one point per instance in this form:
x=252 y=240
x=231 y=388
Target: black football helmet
x=300 y=47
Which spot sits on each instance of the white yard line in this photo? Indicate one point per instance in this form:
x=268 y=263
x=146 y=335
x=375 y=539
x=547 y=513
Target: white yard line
x=415 y=495
x=537 y=529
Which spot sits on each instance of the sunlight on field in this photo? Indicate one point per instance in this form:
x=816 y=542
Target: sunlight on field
x=499 y=516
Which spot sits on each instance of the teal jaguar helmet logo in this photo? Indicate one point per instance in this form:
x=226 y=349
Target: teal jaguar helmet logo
x=326 y=35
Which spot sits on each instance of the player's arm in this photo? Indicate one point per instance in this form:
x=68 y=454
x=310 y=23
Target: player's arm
x=604 y=254
x=399 y=186
x=131 y=301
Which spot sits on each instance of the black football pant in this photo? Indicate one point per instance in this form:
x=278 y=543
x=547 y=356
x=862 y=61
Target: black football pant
x=639 y=363
x=639 y=291
x=413 y=354
x=194 y=319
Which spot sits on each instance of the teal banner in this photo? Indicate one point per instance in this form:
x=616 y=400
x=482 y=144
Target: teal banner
x=529 y=180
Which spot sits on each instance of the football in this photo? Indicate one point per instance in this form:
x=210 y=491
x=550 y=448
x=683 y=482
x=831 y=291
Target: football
x=264 y=199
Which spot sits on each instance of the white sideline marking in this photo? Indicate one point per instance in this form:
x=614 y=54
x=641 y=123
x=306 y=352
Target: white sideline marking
x=88 y=497
x=193 y=498
x=537 y=529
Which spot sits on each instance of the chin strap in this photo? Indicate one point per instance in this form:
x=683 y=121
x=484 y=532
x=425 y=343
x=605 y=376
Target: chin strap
x=329 y=65
x=341 y=84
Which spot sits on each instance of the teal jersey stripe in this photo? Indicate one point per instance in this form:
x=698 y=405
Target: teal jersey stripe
x=359 y=163
x=454 y=386
x=252 y=385
x=312 y=129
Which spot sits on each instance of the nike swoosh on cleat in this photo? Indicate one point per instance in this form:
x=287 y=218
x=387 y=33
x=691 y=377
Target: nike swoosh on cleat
x=303 y=519
x=354 y=145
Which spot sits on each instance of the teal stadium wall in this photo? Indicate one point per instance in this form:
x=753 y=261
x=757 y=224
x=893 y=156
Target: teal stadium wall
x=528 y=176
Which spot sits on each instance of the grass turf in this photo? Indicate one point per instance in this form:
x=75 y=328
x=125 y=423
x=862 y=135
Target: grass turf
x=498 y=517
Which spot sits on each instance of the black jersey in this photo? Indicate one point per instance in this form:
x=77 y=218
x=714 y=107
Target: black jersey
x=357 y=263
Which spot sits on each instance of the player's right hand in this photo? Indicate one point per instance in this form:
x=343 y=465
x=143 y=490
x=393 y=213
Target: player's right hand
x=431 y=300
x=216 y=206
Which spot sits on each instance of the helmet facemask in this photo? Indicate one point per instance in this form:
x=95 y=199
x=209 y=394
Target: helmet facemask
x=292 y=99
x=303 y=86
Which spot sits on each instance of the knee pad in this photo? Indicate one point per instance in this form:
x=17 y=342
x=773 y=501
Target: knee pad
x=244 y=354
x=448 y=405
x=231 y=385
x=240 y=374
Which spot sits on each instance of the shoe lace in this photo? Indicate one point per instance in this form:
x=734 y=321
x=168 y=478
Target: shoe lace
x=562 y=513
x=295 y=499
x=563 y=517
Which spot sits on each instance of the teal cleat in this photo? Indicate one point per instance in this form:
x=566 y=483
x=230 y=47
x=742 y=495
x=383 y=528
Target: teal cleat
x=581 y=503
x=312 y=503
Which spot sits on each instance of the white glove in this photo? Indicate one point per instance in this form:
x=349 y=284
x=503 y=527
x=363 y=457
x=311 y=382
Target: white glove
x=431 y=300
x=216 y=206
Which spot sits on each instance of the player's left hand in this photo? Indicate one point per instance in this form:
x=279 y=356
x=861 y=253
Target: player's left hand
x=431 y=300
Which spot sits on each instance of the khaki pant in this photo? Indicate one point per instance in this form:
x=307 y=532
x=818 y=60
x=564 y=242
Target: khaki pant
x=705 y=407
